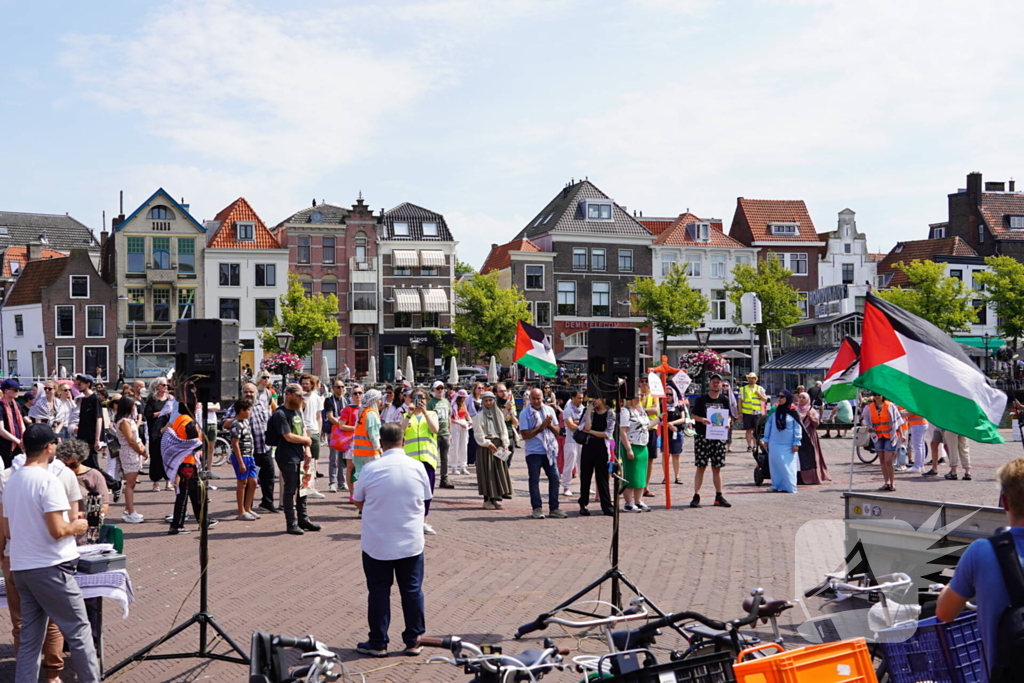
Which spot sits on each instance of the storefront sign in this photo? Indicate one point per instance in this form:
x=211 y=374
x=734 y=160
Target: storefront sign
x=826 y=294
x=726 y=330
x=587 y=324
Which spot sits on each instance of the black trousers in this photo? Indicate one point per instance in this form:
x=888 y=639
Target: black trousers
x=189 y=487
x=265 y=461
x=594 y=465
x=292 y=503
x=443 y=444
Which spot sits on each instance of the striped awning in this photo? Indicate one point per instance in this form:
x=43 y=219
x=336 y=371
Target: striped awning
x=407 y=300
x=405 y=258
x=435 y=300
x=432 y=258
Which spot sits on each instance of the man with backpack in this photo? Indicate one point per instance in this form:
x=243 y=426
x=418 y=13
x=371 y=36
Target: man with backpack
x=990 y=574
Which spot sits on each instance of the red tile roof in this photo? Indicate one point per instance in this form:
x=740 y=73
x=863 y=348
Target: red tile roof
x=28 y=288
x=758 y=213
x=656 y=226
x=678 y=235
x=996 y=208
x=225 y=236
x=920 y=250
x=19 y=255
x=500 y=258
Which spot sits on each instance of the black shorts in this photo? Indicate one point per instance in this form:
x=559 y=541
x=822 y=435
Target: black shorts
x=750 y=421
x=708 y=452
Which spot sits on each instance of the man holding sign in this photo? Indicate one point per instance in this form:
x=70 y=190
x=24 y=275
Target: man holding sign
x=710 y=414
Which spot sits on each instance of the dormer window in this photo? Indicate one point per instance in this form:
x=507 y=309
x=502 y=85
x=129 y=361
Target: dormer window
x=245 y=231
x=401 y=229
x=160 y=213
x=899 y=247
x=430 y=229
x=1016 y=222
x=597 y=209
x=699 y=232
x=784 y=228
x=938 y=233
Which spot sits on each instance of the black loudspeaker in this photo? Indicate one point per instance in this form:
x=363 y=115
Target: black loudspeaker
x=207 y=354
x=611 y=356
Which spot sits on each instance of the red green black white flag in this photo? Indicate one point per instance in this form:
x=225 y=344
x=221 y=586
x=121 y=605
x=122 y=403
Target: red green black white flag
x=919 y=367
x=533 y=351
x=838 y=384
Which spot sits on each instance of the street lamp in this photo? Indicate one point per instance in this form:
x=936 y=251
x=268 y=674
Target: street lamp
x=284 y=340
x=703 y=337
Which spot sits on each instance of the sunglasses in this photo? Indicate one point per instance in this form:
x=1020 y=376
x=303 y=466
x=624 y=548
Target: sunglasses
x=357 y=393
x=47 y=389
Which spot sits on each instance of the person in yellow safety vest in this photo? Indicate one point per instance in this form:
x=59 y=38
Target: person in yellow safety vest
x=420 y=427
x=651 y=405
x=884 y=420
x=752 y=400
x=366 y=440
x=917 y=426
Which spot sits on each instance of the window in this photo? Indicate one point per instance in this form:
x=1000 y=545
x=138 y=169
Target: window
x=700 y=232
x=576 y=340
x=981 y=232
x=402 y=270
x=245 y=231
x=798 y=264
x=802 y=304
x=567 y=298
x=974 y=281
x=598 y=211
x=542 y=314
x=65 y=317
x=431 y=320
x=403 y=319
x=94 y=321
x=229 y=309
x=601 y=304
x=579 y=259
x=327 y=252
x=79 y=286
x=66 y=357
x=266 y=275
x=361 y=248
x=693 y=262
x=847 y=248
x=162 y=253
x=186 y=255
x=402 y=230
x=307 y=287
x=784 y=228
x=186 y=303
x=136 y=254
x=1016 y=222
x=162 y=305
x=430 y=229
x=847 y=273
x=361 y=344
x=428 y=271
x=718 y=304
x=534 y=277
x=12 y=362
x=329 y=287
x=364 y=296
x=742 y=258
x=957 y=273
x=718 y=266
x=302 y=249
x=667 y=261
x=19 y=326
x=625 y=260
x=160 y=213
x=230 y=274
x=938 y=233
x=265 y=312
x=136 y=304
x=597 y=259
x=981 y=308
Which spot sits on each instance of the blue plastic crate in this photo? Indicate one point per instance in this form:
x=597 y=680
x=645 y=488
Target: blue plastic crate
x=937 y=652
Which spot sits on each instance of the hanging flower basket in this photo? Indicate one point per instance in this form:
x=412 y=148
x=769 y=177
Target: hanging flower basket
x=699 y=363
x=283 y=363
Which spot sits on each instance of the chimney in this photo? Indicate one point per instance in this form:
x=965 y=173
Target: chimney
x=114 y=222
x=314 y=201
x=1013 y=185
x=35 y=250
x=974 y=188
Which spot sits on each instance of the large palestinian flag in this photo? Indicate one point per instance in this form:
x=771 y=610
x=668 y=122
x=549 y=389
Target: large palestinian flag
x=919 y=367
x=838 y=384
x=533 y=350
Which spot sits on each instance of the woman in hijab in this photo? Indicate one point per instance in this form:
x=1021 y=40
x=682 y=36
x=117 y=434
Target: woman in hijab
x=492 y=479
x=782 y=437
x=812 y=465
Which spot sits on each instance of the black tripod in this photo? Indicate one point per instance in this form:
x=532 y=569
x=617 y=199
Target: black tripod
x=202 y=618
x=613 y=574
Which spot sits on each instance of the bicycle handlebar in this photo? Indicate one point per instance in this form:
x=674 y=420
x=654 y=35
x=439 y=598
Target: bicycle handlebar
x=430 y=641
x=901 y=581
x=670 y=619
x=307 y=644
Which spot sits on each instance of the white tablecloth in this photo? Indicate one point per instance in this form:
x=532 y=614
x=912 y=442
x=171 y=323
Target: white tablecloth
x=116 y=585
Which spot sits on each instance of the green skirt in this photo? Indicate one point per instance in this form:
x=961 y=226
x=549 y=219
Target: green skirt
x=634 y=471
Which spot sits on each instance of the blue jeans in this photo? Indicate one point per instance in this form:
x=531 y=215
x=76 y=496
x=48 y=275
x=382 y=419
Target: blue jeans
x=535 y=463
x=380 y=574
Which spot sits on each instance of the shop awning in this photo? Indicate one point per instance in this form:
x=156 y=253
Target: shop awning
x=407 y=300
x=806 y=359
x=435 y=300
x=979 y=342
x=432 y=258
x=576 y=354
x=405 y=258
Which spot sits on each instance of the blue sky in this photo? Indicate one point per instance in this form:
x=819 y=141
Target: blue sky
x=484 y=109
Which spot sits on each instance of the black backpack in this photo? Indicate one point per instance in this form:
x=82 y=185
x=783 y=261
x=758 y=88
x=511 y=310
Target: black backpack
x=1009 y=663
x=270 y=437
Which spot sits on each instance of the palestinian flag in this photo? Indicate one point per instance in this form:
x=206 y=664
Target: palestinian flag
x=533 y=350
x=838 y=384
x=919 y=367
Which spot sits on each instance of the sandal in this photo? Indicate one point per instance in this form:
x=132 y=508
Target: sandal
x=951 y=476
x=967 y=477
x=677 y=482
x=887 y=487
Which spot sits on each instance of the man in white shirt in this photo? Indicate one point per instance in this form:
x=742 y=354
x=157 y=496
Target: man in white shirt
x=391 y=494
x=571 y=416
x=313 y=418
x=43 y=557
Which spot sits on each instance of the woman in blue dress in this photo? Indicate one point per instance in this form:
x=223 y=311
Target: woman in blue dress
x=782 y=436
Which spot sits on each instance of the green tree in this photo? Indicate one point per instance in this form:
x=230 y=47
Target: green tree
x=463 y=268
x=488 y=313
x=770 y=281
x=447 y=349
x=1004 y=289
x=672 y=307
x=931 y=294
x=311 y=319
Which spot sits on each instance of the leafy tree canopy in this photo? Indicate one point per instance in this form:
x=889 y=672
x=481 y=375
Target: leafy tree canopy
x=463 y=268
x=931 y=294
x=311 y=319
x=672 y=307
x=488 y=314
x=770 y=281
x=1004 y=289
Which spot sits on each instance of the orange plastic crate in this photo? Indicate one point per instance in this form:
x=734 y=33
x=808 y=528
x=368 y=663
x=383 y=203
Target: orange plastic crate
x=847 y=661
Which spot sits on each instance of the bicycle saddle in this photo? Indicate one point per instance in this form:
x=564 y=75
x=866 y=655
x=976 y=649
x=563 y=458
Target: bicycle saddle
x=769 y=608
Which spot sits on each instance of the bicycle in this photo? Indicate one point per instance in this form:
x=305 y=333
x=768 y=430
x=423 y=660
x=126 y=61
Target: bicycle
x=266 y=665
x=488 y=664
x=221 y=448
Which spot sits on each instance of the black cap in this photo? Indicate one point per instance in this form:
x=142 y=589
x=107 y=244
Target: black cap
x=37 y=437
x=715 y=376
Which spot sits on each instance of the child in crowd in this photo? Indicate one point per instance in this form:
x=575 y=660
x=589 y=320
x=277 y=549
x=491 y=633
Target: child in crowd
x=243 y=461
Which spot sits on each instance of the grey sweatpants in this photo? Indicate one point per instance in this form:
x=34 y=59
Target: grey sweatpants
x=52 y=592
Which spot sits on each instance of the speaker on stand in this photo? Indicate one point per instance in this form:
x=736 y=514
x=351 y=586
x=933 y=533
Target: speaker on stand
x=612 y=354
x=207 y=354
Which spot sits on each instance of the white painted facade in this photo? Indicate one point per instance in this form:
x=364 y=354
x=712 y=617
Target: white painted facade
x=19 y=348
x=846 y=262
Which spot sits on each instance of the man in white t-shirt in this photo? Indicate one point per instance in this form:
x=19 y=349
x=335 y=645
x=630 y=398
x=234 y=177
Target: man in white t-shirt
x=313 y=418
x=391 y=494
x=43 y=557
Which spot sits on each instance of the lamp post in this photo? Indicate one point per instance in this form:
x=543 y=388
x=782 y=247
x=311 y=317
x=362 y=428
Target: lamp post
x=284 y=341
x=414 y=344
x=703 y=336
x=985 y=337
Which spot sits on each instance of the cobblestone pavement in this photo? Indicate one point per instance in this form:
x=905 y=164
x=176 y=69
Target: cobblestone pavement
x=486 y=571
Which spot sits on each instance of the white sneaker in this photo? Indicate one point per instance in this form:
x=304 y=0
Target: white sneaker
x=428 y=530
x=170 y=518
x=465 y=470
x=132 y=518
x=316 y=494
x=914 y=470
x=333 y=488
x=628 y=507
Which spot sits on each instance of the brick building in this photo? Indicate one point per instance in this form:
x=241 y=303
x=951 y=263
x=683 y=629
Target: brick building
x=57 y=233
x=988 y=216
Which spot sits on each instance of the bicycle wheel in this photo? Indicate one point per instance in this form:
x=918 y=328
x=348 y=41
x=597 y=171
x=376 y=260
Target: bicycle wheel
x=221 y=451
x=866 y=456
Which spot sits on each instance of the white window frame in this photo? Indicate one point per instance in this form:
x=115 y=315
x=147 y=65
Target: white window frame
x=799 y=257
x=853 y=273
x=701 y=232
x=721 y=262
x=19 y=322
x=742 y=258
x=938 y=233
x=593 y=298
x=784 y=228
x=12 y=362
x=103 y=318
x=73 y=370
x=719 y=307
x=981 y=233
x=1016 y=222
x=107 y=354
x=536 y=307
x=847 y=248
x=526 y=277
x=433 y=232
x=668 y=259
x=265 y=267
x=691 y=261
x=577 y=340
x=604 y=257
x=71 y=287
x=404 y=232
x=623 y=252
x=802 y=304
x=599 y=204
x=56 y=322
x=576 y=251
x=575 y=296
